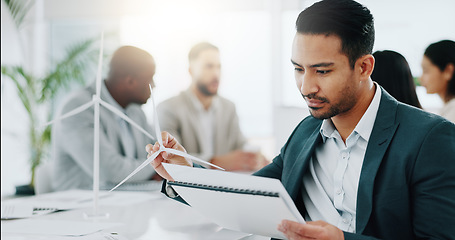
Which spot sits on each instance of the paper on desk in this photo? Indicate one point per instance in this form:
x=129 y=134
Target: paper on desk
x=11 y=211
x=103 y=236
x=76 y=199
x=248 y=213
x=14 y=210
x=63 y=200
x=224 y=233
x=55 y=227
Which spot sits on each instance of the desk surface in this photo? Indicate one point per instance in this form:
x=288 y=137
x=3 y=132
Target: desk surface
x=157 y=217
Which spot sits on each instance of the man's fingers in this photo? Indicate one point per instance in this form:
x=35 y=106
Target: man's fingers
x=294 y=236
x=303 y=230
x=164 y=137
x=156 y=147
x=169 y=141
x=163 y=173
x=294 y=227
x=167 y=156
x=148 y=148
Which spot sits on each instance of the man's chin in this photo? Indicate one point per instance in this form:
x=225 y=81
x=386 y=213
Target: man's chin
x=211 y=93
x=319 y=113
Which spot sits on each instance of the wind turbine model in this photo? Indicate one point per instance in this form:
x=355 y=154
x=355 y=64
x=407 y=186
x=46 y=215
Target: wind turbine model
x=162 y=148
x=96 y=102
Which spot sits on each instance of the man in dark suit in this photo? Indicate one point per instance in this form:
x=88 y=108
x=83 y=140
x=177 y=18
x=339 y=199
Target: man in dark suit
x=363 y=165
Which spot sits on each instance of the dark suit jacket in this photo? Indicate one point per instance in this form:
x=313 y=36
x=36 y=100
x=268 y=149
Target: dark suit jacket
x=407 y=183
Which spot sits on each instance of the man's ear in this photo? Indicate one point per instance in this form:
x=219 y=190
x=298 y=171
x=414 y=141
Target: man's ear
x=448 y=72
x=129 y=81
x=366 y=66
x=191 y=67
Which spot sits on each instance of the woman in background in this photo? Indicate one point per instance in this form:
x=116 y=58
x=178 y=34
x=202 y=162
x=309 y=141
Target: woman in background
x=392 y=72
x=438 y=76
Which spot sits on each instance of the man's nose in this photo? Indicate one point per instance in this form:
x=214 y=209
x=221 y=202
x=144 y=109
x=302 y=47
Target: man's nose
x=217 y=72
x=309 y=85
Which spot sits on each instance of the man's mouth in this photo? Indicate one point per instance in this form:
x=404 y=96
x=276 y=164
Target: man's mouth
x=314 y=103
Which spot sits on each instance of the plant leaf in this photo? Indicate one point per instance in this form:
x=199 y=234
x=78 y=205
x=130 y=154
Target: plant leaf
x=24 y=84
x=19 y=9
x=69 y=69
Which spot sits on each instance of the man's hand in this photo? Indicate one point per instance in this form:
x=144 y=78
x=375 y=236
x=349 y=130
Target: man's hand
x=262 y=161
x=310 y=230
x=169 y=142
x=237 y=161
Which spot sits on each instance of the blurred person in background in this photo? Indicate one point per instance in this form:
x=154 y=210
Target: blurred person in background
x=121 y=146
x=205 y=123
x=438 y=65
x=392 y=72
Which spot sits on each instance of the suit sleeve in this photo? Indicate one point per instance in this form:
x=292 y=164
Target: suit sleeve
x=273 y=170
x=353 y=236
x=75 y=137
x=433 y=185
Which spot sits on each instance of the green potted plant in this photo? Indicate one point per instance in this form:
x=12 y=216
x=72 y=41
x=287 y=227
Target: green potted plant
x=36 y=93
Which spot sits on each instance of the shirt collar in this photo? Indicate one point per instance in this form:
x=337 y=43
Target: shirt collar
x=364 y=127
x=327 y=129
x=366 y=123
x=198 y=105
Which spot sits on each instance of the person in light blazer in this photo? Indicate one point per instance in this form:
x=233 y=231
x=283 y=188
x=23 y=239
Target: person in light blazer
x=363 y=165
x=205 y=122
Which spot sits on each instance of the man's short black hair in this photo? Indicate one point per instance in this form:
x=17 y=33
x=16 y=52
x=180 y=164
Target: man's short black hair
x=347 y=19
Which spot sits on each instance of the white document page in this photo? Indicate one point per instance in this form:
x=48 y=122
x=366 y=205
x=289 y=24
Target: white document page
x=54 y=227
x=248 y=213
x=77 y=199
x=10 y=211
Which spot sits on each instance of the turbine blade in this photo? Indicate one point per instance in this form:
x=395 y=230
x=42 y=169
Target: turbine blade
x=100 y=66
x=70 y=113
x=155 y=115
x=125 y=117
x=145 y=163
x=186 y=155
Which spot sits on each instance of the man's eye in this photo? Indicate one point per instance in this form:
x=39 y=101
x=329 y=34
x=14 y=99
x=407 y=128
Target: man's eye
x=323 y=71
x=298 y=69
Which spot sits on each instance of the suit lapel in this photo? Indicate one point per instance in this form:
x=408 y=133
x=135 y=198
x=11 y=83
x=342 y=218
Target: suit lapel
x=381 y=136
x=300 y=165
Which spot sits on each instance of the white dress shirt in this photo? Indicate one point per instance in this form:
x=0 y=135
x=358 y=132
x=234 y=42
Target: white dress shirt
x=330 y=185
x=207 y=120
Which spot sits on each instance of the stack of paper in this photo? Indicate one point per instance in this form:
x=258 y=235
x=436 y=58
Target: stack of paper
x=54 y=227
x=235 y=201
